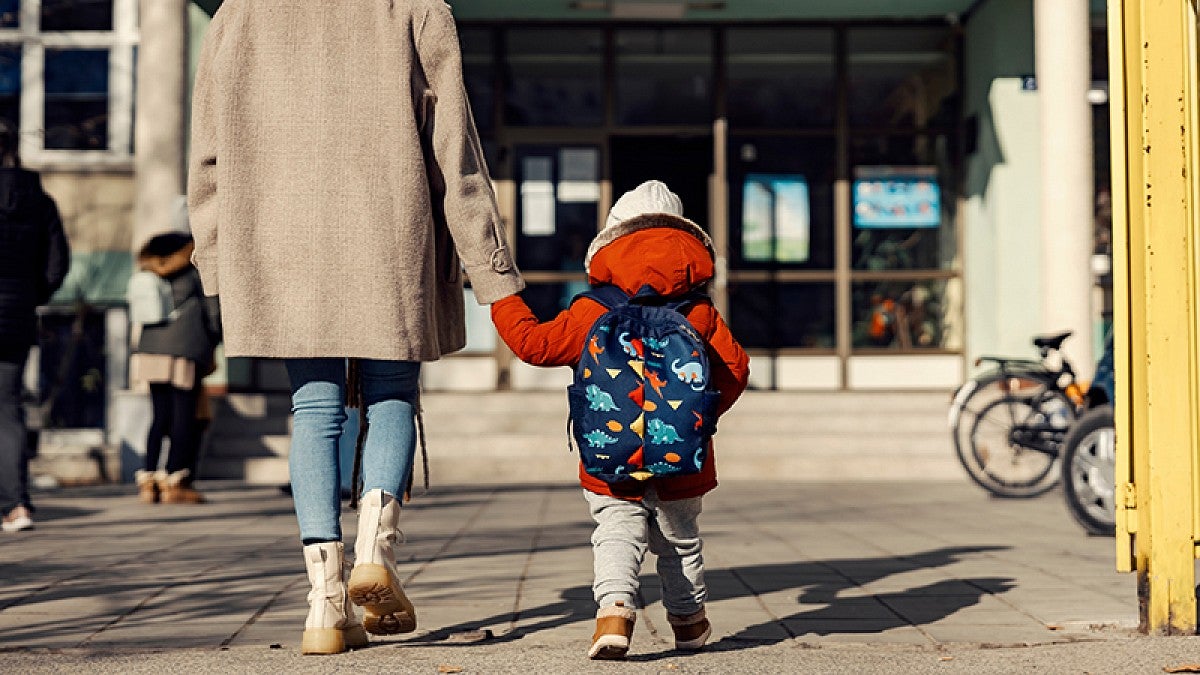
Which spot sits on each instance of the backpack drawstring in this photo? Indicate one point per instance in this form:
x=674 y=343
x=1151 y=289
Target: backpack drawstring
x=356 y=399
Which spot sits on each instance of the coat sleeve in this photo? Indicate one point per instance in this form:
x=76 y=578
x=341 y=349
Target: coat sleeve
x=202 y=164
x=729 y=362
x=461 y=186
x=558 y=342
x=58 y=252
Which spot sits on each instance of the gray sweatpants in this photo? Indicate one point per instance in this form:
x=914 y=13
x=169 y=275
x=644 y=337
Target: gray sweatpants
x=624 y=529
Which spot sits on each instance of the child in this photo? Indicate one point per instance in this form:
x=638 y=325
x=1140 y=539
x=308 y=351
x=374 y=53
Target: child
x=646 y=241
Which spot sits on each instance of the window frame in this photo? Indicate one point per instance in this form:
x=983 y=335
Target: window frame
x=120 y=43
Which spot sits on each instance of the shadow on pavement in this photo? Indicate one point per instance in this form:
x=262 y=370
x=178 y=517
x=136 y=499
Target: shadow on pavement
x=819 y=582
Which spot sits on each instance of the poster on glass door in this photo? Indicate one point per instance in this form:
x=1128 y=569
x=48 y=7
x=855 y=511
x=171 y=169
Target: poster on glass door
x=775 y=218
x=896 y=197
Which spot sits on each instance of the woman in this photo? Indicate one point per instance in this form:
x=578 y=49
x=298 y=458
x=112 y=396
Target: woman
x=170 y=359
x=337 y=188
x=33 y=263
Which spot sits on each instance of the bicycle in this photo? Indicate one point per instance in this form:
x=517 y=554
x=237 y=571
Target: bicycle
x=1009 y=422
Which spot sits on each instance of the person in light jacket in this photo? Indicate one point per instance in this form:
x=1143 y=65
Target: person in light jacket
x=337 y=190
x=170 y=361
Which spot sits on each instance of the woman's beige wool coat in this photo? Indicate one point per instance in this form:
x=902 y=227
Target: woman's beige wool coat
x=336 y=179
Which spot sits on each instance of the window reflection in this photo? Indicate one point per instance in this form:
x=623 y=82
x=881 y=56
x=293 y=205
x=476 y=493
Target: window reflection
x=10 y=14
x=555 y=77
x=780 y=77
x=781 y=202
x=479 y=74
x=76 y=99
x=664 y=76
x=902 y=77
x=780 y=315
x=903 y=203
x=10 y=84
x=77 y=15
x=775 y=218
x=557 y=207
x=900 y=315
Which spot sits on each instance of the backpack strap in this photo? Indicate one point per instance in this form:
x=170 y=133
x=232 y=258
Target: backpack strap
x=607 y=295
x=611 y=296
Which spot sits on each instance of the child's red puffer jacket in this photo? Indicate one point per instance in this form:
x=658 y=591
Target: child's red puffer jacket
x=672 y=262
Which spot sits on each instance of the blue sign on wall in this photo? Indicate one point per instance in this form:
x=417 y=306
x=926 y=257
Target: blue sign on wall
x=888 y=197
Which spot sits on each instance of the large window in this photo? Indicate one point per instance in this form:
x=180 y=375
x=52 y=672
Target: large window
x=840 y=161
x=557 y=210
x=902 y=199
x=70 y=15
x=780 y=77
x=66 y=78
x=555 y=77
x=902 y=77
x=781 y=202
x=664 y=76
x=479 y=74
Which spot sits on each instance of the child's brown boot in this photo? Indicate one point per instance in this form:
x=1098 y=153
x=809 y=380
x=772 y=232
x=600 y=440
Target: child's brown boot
x=691 y=631
x=614 y=628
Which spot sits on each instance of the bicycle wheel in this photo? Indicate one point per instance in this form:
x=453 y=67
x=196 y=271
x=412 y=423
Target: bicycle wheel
x=1014 y=443
x=971 y=400
x=1089 y=471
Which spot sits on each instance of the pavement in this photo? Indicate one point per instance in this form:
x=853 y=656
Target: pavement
x=911 y=577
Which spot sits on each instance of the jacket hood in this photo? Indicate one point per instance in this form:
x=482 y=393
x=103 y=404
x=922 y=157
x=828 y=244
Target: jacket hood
x=20 y=191
x=651 y=204
x=668 y=259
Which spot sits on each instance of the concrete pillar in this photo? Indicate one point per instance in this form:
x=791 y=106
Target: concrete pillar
x=1062 y=58
x=159 y=134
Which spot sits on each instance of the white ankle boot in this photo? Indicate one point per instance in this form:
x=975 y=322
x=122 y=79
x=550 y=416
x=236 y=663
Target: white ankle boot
x=331 y=626
x=374 y=582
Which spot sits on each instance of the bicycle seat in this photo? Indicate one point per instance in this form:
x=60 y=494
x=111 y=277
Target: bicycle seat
x=1051 y=341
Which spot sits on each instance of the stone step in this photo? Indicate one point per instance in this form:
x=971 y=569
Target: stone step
x=521 y=436
x=473 y=468
x=231 y=446
x=252 y=470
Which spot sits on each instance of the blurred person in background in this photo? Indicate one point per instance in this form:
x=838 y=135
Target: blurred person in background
x=171 y=357
x=34 y=258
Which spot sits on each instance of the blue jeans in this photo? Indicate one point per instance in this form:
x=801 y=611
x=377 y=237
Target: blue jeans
x=319 y=414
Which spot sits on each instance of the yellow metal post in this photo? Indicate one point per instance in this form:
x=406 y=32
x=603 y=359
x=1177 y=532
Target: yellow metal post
x=1153 y=84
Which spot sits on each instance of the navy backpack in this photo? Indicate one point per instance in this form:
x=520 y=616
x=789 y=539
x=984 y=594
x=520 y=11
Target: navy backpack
x=642 y=403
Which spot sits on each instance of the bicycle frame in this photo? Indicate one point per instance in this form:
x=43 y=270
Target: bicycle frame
x=1042 y=437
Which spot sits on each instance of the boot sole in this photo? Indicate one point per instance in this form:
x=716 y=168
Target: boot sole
x=609 y=648
x=388 y=610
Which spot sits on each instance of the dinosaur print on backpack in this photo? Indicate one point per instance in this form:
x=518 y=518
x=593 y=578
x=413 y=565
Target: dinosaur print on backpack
x=641 y=402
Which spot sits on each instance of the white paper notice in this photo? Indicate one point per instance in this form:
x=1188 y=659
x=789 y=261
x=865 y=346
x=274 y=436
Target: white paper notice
x=537 y=197
x=579 y=172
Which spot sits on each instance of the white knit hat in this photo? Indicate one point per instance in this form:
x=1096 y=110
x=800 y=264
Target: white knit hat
x=651 y=204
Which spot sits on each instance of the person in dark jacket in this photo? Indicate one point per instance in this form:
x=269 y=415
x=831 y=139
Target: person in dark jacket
x=34 y=258
x=171 y=358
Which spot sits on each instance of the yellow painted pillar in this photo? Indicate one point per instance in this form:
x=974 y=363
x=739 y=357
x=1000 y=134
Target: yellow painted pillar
x=1153 y=98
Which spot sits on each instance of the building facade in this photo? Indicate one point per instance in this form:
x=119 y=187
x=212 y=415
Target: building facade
x=871 y=172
